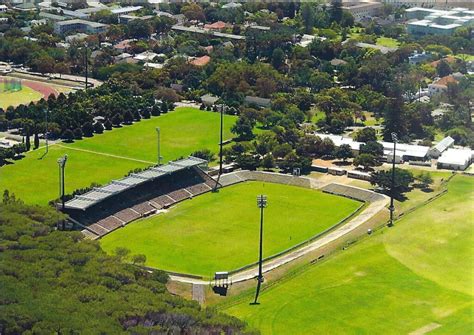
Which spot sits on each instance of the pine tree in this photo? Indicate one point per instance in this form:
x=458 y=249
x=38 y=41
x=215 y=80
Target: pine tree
x=28 y=144
x=36 y=142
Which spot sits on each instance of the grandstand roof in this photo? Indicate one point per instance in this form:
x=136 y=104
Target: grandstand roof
x=88 y=199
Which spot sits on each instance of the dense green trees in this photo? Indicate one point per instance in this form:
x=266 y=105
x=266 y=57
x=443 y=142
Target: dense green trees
x=403 y=179
x=56 y=282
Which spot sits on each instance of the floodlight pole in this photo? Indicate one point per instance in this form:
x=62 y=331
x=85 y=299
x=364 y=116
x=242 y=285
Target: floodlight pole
x=392 y=192
x=158 y=133
x=46 y=130
x=261 y=203
x=221 y=139
x=86 y=64
x=62 y=166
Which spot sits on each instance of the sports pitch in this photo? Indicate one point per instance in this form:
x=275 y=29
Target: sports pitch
x=220 y=231
x=25 y=96
x=415 y=277
x=111 y=155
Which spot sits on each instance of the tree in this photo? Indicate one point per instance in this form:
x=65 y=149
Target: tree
x=366 y=134
x=122 y=253
x=344 y=152
x=88 y=129
x=36 y=141
x=425 y=179
x=336 y=11
x=443 y=69
x=307 y=14
x=108 y=124
x=139 y=259
x=268 y=161
x=206 y=154
x=403 y=179
x=248 y=161
x=78 y=134
x=28 y=143
x=139 y=29
x=243 y=128
x=373 y=148
x=365 y=160
x=146 y=113
x=99 y=128
x=156 y=110
x=68 y=135
x=278 y=58
x=117 y=120
x=128 y=117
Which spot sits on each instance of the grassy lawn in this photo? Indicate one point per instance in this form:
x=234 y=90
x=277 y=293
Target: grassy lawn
x=219 y=231
x=183 y=131
x=387 y=42
x=465 y=57
x=25 y=96
x=416 y=274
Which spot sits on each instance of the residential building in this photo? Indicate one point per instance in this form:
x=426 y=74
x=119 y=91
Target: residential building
x=64 y=27
x=3 y=8
x=417 y=58
x=362 y=10
x=200 y=61
x=441 y=85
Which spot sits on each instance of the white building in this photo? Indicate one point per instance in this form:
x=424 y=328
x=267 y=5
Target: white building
x=3 y=8
x=437 y=22
x=455 y=159
x=441 y=147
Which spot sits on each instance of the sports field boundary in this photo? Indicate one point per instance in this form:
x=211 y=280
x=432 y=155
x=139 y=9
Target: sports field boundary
x=322 y=239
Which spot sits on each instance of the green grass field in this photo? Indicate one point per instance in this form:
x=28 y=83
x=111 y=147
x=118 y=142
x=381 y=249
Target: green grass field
x=219 y=231
x=25 y=96
x=387 y=42
x=417 y=274
x=111 y=155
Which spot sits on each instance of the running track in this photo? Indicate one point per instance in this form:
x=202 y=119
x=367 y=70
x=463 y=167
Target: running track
x=42 y=88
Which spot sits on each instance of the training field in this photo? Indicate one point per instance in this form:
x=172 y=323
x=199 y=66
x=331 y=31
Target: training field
x=25 y=96
x=111 y=155
x=220 y=231
x=415 y=277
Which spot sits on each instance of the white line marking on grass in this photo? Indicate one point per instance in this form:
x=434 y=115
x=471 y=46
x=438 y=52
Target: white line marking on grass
x=105 y=154
x=425 y=329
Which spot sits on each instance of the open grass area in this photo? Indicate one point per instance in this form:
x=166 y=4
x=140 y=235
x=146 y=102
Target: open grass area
x=220 y=231
x=182 y=131
x=387 y=42
x=25 y=96
x=417 y=274
x=111 y=155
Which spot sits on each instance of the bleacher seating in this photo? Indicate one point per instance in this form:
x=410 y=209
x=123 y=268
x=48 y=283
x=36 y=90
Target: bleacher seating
x=179 y=195
x=127 y=215
x=110 y=223
x=198 y=189
x=144 y=199
x=98 y=229
x=163 y=200
x=90 y=235
x=352 y=192
x=144 y=208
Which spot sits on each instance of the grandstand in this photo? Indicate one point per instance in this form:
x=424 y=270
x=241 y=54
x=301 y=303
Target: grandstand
x=110 y=207
x=352 y=192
